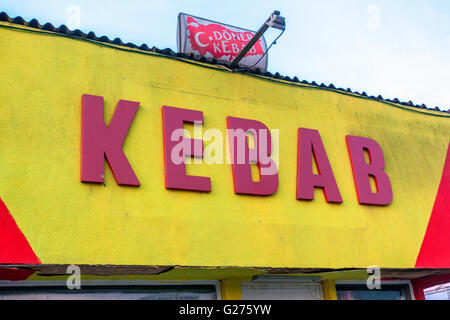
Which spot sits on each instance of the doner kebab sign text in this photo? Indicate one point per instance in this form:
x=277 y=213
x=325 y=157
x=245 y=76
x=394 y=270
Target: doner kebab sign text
x=210 y=39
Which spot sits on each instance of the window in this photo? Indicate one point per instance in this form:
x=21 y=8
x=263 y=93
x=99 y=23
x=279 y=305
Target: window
x=283 y=290
x=439 y=292
x=400 y=291
x=112 y=292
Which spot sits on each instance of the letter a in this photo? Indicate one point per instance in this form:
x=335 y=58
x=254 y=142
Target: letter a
x=310 y=145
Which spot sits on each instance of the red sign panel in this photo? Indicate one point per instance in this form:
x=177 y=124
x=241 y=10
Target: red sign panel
x=220 y=41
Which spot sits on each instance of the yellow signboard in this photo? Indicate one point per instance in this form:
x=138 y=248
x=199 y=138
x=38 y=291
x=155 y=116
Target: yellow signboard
x=43 y=78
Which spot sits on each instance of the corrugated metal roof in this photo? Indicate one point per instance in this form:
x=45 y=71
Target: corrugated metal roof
x=169 y=52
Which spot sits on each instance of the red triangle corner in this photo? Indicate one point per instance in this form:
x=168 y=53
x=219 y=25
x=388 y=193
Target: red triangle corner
x=435 y=249
x=14 y=247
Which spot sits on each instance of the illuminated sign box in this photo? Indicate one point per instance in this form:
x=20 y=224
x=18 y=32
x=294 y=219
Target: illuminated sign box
x=220 y=41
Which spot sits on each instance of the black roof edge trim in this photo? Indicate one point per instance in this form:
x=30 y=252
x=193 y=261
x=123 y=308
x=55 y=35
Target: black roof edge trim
x=34 y=23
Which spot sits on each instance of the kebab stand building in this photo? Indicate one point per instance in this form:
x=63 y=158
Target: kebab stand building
x=285 y=189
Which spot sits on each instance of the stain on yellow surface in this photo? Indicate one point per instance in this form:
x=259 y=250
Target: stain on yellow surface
x=42 y=79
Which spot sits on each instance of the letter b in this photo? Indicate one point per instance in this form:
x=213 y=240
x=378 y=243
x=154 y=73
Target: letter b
x=362 y=171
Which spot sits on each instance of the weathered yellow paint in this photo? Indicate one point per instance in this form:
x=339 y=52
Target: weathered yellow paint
x=231 y=289
x=42 y=78
x=205 y=273
x=177 y=274
x=328 y=290
x=356 y=274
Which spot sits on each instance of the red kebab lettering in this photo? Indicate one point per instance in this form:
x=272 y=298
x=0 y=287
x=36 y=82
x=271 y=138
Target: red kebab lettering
x=99 y=141
x=219 y=41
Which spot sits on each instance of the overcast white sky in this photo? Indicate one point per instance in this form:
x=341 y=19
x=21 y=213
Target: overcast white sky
x=395 y=48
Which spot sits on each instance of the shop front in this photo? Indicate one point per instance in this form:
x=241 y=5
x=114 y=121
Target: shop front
x=133 y=173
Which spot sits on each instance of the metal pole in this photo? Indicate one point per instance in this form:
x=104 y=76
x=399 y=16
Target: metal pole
x=249 y=45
